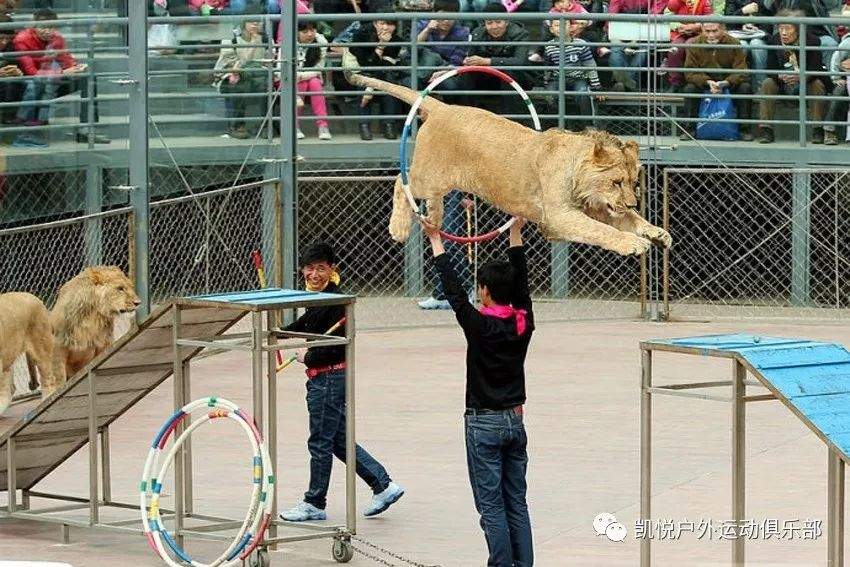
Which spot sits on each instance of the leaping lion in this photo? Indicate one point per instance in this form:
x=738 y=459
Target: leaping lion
x=576 y=187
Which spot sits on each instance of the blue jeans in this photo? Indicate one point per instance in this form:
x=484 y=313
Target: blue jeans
x=473 y=6
x=454 y=222
x=759 y=60
x=38 y=89
x=497 y=461
x=619 y=58
x=326 y=406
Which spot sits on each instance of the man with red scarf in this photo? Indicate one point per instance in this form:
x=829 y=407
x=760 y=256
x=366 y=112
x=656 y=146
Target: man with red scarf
x=497 y=339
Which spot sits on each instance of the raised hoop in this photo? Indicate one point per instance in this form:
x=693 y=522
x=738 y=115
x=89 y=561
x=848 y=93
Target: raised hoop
x=408 y=125
x=257 y=520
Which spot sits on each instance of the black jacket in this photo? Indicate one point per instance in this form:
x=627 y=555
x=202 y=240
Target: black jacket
x=811 y=8
x=318 y=320
x=733 y=8
x=505 y=55
x=495 y=354
x=777 y=58
x=366 y=55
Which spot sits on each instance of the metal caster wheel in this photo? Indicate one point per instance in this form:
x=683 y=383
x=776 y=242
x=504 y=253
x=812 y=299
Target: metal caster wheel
x=342 y=551
x=260 y=558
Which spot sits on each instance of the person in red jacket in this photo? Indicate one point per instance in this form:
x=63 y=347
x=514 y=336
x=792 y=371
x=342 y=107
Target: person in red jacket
x=44 y=57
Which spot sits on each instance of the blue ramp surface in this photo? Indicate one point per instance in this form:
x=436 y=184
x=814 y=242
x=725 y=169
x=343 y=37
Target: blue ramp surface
x=812 y=378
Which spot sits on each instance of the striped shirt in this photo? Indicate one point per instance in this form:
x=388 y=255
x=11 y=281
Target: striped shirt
x=576 y=53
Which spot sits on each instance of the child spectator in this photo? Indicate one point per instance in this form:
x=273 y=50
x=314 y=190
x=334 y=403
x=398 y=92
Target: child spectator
x=46 y=61
x=239 y=71
x=312 y=49
x=580 y=74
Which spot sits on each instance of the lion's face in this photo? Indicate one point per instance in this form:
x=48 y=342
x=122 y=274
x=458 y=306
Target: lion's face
x=113 y=289
x=611 y=184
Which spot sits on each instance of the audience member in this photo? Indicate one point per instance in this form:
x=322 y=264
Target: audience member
x=386 y=55
x=752 y=36
x=239 y=71
x=11 y=90
x=631 y=58
x=784 y=77
x=506 y=54
x=580 y=75
x=312 y=49
x=839 y=67
x=811 y=9
x=682 y=32
x=705 y=54
x=446 y=47
x=51 y=71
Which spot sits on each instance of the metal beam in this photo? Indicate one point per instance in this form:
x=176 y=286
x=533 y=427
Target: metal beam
x=138 y=151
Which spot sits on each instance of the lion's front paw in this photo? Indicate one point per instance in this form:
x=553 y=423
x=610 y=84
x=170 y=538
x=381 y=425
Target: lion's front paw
x=632 y=245
x=658 y=236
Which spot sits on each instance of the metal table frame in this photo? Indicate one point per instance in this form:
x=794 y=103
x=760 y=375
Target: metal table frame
x=737 y=402
x=262 y=343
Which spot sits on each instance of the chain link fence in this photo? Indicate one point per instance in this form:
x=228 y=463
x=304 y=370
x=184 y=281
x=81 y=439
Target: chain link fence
x=568 y=281
x=757 y=243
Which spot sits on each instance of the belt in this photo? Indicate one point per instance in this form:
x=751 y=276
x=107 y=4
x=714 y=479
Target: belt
x=313 y=372
x=472 y=411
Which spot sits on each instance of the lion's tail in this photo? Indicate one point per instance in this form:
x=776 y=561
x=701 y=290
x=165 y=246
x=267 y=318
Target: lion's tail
x=351 y=69
x=401 y=218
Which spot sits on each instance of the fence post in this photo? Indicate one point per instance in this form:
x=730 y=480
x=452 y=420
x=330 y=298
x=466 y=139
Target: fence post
x=800 y=236
x=138 y=143
x=560 y=251
x=288 y=169
x=94 y=204
x=801 y=103
x=414 y=264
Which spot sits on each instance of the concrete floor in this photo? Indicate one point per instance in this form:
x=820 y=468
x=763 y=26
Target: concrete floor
x=582 y=419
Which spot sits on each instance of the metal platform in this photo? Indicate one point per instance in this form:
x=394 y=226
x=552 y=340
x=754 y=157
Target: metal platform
x=810 y=378
x=162 y=346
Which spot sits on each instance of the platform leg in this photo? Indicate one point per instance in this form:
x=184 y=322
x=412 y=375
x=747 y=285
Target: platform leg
x=271 y=433
x=105 y=465
x=64 y=534
x=179 y=401
x=11 y=475
x=350 y=412
x=646 y=454
x=94 y=510
x=835 y=510
x=738 y=460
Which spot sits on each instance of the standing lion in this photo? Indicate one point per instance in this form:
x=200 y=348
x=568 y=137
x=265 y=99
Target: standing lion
x=25 y=329
x=84 y=314
x=577 y=187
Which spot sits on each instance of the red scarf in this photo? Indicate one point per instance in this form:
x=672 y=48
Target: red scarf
x=505 y=312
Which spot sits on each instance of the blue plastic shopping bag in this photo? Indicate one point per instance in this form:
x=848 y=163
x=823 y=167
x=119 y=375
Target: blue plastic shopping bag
x=714 y=108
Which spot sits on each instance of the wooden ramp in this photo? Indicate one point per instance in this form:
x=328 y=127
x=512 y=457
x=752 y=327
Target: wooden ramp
x=133 y=366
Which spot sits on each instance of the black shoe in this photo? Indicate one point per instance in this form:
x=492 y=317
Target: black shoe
x=746 y=136
x=365 y=132
x=766 y=136
x=817 y=136
x=830 y=138
x=83 y=138
x=389 y=131
x=686 y=135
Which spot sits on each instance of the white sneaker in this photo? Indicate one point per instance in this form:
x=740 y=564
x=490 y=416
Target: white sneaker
x=382 y=501
x=324 y=133
x=431 y=303
x=299 y=134
x=303 y=512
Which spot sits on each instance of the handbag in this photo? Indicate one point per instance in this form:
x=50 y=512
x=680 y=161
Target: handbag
x=717 y=108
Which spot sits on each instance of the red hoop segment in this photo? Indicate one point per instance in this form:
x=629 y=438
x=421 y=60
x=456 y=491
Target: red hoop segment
x=470 y=239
